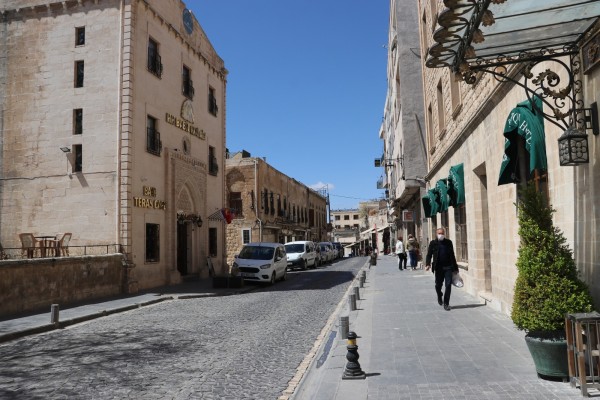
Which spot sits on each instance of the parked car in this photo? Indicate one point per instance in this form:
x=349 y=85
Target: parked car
x=301 y=254
x=262 y=262
x=326 y=252
x=339 y=248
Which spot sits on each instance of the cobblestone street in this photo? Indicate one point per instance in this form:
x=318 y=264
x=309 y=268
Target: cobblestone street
x=237 y=347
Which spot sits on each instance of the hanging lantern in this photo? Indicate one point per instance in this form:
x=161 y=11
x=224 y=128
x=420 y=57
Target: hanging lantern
x=573 y=147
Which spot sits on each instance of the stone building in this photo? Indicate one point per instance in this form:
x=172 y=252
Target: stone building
x=404 y=156
x=269 y=206
x=112 y=125
x=476 y=94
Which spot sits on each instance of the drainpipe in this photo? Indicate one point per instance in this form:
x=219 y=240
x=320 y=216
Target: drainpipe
x=260 y=235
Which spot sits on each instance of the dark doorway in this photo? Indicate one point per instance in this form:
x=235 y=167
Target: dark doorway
x=182 y=250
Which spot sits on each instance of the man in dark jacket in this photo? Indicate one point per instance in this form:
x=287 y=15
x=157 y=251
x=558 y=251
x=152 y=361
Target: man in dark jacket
x=442 y=261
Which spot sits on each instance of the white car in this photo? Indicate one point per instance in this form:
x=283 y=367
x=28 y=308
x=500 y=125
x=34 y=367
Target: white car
x=326 y=252
x=262 y=262
x=301 y=254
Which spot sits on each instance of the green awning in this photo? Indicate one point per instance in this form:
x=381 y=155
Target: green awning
x=430 y=203
x=456 y=185
x=526 y=121
x=443 y=199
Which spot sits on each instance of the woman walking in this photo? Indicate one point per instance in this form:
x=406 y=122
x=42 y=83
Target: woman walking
x=413 y=248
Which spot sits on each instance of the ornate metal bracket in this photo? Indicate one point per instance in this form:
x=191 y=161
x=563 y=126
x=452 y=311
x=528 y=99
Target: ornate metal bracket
x=557 y=83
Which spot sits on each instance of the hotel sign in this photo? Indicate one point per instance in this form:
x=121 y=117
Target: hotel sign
x=186 y=122
x=152 y=202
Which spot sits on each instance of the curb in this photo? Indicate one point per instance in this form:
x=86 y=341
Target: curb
x=305 y=366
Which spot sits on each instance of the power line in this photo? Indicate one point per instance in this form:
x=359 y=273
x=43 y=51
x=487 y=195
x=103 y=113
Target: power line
x=349 y=197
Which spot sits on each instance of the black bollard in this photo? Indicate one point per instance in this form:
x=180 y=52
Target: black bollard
x=353 y=370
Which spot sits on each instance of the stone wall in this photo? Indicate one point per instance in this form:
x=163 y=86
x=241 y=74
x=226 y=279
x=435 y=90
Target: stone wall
x=35 y=284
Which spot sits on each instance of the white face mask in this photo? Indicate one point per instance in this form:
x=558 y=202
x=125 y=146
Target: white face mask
x=441 y=237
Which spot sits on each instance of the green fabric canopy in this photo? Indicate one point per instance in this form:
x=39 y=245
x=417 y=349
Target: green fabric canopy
x=443 y=200
x=456 y=185
x=430 y=203
x=524 y=120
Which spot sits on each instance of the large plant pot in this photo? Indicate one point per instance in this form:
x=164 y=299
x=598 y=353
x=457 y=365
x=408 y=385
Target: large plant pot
x=549 y=357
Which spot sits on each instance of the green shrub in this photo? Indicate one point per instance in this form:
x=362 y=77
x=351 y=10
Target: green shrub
x=547 y=286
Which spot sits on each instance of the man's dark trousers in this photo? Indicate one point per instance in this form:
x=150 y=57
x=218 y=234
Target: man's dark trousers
x=402 y=261
x=443 y=275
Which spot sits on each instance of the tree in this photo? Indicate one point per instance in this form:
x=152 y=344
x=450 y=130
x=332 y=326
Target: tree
x=547 y=285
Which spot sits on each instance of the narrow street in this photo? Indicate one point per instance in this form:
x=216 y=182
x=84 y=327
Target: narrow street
x=237 y=347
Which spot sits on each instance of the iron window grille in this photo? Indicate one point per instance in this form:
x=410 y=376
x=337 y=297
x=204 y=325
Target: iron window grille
x=187 y=83
x=154 y=61
x=213 y=167
x=212 y=102
x=153 y=142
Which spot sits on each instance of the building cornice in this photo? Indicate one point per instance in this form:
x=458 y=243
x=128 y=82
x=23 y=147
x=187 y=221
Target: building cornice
x=64 y=5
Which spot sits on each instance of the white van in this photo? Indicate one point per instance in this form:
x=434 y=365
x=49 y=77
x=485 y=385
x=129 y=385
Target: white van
x=262 y=262
x=301 y=254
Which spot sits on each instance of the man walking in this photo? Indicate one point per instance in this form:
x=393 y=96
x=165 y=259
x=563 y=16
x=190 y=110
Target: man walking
x=442 y=261
x=401 y=254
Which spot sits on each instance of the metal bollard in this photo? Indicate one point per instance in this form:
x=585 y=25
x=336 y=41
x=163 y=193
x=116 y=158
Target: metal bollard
x=353 y=370
x=357 y=292
x=54 y=309
x=352 y=302
x=344 y=326
x=361 y=281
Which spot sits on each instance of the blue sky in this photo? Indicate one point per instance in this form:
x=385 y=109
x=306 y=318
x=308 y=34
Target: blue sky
x=306 y=86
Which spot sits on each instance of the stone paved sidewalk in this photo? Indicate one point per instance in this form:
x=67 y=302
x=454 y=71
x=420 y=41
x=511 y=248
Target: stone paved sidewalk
x=411 y=348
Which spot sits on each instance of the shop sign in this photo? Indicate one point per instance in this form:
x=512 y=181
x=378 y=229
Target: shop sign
x=149 y=201
x=408 y=216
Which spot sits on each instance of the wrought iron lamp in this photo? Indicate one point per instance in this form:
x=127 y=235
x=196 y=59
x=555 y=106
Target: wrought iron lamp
x=573 y=147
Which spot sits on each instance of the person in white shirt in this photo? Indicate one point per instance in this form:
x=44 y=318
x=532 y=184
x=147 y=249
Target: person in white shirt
x=401 y=254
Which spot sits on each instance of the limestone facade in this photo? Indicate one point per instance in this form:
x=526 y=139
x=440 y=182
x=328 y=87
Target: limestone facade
x=270 y=206
x=403 y=128
x=465 y=124
x=134 y=93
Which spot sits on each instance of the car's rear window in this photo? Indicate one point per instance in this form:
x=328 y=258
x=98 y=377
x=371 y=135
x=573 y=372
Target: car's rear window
x=294 y=248
x=257 y=253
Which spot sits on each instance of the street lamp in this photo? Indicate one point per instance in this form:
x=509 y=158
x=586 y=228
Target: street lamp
x=573 y=147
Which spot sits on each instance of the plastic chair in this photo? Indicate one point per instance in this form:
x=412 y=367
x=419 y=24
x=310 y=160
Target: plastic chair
x=62 y=245
x=29 y=245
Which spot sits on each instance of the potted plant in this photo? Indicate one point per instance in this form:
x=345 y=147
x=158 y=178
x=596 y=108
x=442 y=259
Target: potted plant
x=547 y=286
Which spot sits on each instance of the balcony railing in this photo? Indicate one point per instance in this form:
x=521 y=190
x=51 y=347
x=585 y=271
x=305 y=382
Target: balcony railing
x=188 y=88
x=153 y=145
x=17 y=253
x=155 y=65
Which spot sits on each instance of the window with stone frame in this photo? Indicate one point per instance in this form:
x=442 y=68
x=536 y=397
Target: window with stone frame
x=77 y=121
x=246 y=236
x=441 y=110
x=212 y=242
x=79 y=73
x=154 y=60
x=460 y=223
x=187 y=85
x=152 y=242
x=212 y=102
x=80 y=36
x=77 y=158
x=236 y=204
x=455 y=95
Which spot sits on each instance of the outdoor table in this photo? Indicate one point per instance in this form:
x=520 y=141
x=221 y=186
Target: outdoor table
x=45 y=244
